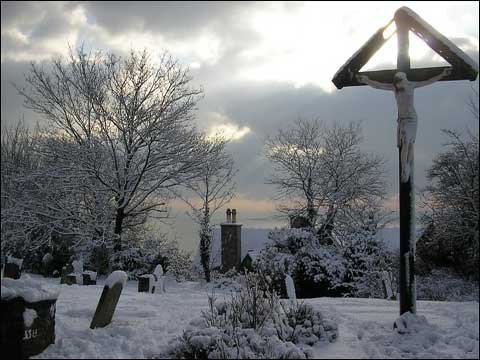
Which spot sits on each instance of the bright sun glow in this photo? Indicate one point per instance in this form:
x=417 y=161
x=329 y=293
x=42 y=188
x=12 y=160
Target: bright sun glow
x=229 y=131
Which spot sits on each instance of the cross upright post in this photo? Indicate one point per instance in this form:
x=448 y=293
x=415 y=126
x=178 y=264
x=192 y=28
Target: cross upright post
x=402 y=81
x=406 y=194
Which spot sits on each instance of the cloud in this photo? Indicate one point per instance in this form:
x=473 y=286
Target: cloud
x=221 y=125
x=261 y=64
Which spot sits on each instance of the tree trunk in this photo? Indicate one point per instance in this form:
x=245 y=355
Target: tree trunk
x=205 y=254
x=205 y=242
x=118 y=229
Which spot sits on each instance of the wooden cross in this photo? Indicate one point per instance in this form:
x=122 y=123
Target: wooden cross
x=463 y=68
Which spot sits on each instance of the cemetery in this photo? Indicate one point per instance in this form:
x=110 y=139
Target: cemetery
x=92 y=264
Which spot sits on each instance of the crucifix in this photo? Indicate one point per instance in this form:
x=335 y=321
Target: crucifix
x=402 y=82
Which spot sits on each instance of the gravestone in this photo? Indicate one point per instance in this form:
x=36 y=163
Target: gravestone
x=13 y=268
x=159 y=285
x=66 y=270
x=290 y=287
x=145 y=283
x=89 y=277
x=387 y=285
x=28 y=318
x=109 y=299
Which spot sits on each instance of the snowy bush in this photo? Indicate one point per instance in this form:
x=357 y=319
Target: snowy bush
x=366 y=258
x=229 y=280
x=304 y=325
x=150 y=251
x=253 y=324
x=443 y=285
x=325 y=270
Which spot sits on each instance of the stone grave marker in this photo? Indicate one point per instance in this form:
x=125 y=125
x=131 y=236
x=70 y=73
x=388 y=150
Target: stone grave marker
x=66 y=270
x=387 y=285
x=13 y=268
x=290 y=287
x=108 y=300
x=159 y=285
x=144 y=282
x=28 y=317
x=89 y=277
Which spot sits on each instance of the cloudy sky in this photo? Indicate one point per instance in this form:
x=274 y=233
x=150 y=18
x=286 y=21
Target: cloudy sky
x=261 y=64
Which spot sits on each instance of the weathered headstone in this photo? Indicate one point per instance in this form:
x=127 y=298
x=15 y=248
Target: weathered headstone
x=71 y=279
x=28 y=318
x=66 y=270
x=144 y=282
x=13 y=268
x=290 y=287
x=159 y=286
x=109 y=299
x=387 y=285
x=89 y=277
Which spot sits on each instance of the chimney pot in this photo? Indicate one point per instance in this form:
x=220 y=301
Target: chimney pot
x=229 y=216
x=234 y=215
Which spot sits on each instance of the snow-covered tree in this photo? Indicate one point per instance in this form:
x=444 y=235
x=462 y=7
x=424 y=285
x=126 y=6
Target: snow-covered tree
x=130 y=120
x=212 y=189
x=323 y=171
x=296 y=153
x=452 y=205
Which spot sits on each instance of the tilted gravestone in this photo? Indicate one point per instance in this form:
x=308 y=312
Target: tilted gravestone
x=109 y=299
x=28 y=317
x=13 y=268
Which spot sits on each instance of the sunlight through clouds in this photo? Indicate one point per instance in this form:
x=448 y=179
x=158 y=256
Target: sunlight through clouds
x=229 y=131
x=307 y=44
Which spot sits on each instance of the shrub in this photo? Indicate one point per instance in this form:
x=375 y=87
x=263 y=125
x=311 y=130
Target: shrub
x=443 y=285
x=253 y=323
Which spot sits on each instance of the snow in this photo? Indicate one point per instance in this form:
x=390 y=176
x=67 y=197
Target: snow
x=29 y=315
x=143 y=325
x=290 y=287
x=18 y=262
x=31 y=290
x=116 y=277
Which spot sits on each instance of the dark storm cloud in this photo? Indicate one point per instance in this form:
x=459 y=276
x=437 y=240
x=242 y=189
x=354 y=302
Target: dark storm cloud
x=262 y=106
x=175 y=19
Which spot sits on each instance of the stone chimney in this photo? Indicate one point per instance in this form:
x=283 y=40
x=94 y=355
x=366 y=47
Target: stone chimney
x=231 y=233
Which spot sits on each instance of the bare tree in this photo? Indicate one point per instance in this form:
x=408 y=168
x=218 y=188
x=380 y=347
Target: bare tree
x=324 y=170
x=350 y=179
x=131 y=121
x=451 y=201
x=213 y=189
x=296 y=157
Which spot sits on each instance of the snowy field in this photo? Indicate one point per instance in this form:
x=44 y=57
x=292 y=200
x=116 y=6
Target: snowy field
x=144 y=323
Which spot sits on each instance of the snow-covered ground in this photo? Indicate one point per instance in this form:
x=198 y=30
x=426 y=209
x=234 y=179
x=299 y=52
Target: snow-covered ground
x=144 y=323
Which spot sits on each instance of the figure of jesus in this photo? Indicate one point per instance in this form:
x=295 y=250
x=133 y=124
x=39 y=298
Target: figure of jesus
x=407 y=116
